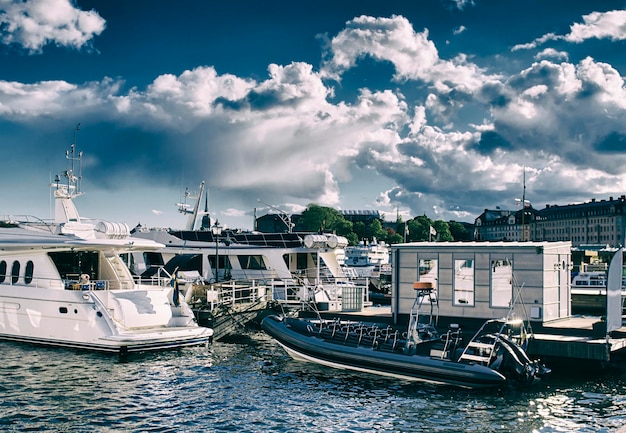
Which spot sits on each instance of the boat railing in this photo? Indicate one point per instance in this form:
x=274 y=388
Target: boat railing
x=228 y=294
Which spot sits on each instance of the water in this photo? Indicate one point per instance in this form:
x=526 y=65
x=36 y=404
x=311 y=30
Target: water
x=251 y=385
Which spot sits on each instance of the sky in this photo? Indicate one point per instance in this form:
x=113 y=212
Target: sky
x=432 y=107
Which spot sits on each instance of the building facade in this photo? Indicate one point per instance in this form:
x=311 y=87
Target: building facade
x=599 y=222
x=485 y=280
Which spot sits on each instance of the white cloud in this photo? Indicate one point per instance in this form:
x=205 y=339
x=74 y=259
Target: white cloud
x=285 y=137
x=413 y=55
x=551 y=53
x=599 y=25
x=459 y=30
x=20 y=102
x=461 y=4
x=32 y=24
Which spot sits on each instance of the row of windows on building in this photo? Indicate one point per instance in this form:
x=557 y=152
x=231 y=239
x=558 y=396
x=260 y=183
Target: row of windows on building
x=593 y=222
x=15 y=272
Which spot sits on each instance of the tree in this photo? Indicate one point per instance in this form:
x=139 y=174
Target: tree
x=324 y=219
x=393 y=237
x=443 y=231
x=359 y=229
x=458 y=231
x=375 y=230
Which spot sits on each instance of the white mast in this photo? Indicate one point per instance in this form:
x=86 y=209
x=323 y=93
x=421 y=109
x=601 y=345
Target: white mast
x=64 y=209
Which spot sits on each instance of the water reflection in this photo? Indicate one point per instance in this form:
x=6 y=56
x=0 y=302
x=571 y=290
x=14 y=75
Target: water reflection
x=251 y=385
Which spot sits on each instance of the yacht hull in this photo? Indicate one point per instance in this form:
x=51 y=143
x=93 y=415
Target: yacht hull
x=86 y=320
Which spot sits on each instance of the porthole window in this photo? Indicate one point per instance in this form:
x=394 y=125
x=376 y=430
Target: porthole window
x=28 y=275
x=15 y=272
x=3 y=271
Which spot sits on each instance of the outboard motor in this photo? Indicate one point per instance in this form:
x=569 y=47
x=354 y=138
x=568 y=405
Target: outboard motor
x=513 y=362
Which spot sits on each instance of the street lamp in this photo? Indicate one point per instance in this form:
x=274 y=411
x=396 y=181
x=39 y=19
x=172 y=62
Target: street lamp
x=217 y=231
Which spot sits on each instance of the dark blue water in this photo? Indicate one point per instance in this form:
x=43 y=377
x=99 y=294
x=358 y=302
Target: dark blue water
x=251 y=385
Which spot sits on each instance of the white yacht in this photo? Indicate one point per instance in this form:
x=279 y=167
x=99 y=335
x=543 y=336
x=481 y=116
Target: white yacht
x=588 y=291
x=64 y=283
x=369 y=259
x=302 y=265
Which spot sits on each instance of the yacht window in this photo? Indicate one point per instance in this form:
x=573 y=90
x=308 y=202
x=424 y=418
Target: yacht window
x=302 y=261
x=251 y=262
x=3 y=271
x=223 y=262
x=153 y=259
x=71 y=264
x=28 y=275
x=15 y=272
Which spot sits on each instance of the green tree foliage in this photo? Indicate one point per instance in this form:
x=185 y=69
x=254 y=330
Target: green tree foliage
x=375 y=230
x=419 y=230
x=359 y=229
x=459 y=232
x=393 y=237
x=325 y=219
x=443 y=231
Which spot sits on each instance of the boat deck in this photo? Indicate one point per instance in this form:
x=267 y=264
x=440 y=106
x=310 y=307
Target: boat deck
x=578 y=337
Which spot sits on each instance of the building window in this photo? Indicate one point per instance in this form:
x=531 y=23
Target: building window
x=501 y=282
x=463 y=282
x=3 y=271
x=429 y=271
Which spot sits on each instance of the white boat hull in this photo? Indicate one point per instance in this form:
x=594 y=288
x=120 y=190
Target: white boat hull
x=79 y=319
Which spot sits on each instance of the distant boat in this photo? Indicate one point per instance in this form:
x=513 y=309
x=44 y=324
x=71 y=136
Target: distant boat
x=491 y=359
x=298 y=266
x=588 y=291
x=65 y=284
x=371 y=261
x=368 y=256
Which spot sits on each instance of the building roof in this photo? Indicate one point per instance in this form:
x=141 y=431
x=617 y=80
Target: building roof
x=484 y=244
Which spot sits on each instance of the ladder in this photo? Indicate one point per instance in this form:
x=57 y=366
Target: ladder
x=423 y=290
x=481 y=352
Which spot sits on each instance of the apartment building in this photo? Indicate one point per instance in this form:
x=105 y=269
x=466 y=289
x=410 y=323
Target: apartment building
x=594 y=222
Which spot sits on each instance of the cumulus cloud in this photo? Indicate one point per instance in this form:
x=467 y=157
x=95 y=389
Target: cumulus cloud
x=551 y=53
x=412 y=54
x=597 y=25
x=288 y=137
x=32 y=24
x=283 y=126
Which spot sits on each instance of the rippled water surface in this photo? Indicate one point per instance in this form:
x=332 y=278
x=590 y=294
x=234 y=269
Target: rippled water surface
x=251 y=385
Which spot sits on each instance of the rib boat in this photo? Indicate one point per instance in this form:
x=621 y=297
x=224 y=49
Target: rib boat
x=65 y=283
x=491 y=359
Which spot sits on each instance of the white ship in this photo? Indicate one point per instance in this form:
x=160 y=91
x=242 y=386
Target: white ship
x=64 y=283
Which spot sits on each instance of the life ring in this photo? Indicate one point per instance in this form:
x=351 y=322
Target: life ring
x=84 y=278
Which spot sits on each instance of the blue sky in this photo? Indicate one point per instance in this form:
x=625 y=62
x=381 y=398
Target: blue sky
x=432 y=107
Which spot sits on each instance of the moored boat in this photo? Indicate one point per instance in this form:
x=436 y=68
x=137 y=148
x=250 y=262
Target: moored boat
x=491 y=359
x=64 y=283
